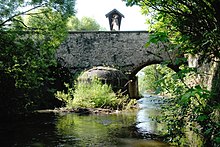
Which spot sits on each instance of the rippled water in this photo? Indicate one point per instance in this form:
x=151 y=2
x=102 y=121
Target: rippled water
x=126 y=129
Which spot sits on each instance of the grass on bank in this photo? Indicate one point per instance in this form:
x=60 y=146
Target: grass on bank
x=94 y=95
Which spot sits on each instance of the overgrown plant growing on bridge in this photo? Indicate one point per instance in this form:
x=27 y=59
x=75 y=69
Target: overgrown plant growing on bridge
x=191 y=26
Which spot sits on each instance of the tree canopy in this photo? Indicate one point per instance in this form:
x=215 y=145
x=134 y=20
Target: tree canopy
x=197 y=23
x=86 y=23
x=190 y=27
x=11 y=9
x=28 y=67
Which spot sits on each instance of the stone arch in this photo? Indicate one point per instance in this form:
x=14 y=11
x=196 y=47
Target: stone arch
x=139 y=67
x=133 y=88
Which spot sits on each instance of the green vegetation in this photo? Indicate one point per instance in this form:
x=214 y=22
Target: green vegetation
x=188 y=27
x=185 y=105
x=30 y=33
x=150 y=81
x=147 y=81
x=183 y=113
x=85 y=24
x=94 y=95
x=29 y=73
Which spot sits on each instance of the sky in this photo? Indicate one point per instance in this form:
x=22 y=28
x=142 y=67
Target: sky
x=133 y=20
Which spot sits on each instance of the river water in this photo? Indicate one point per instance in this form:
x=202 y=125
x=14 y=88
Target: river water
x=127 y=129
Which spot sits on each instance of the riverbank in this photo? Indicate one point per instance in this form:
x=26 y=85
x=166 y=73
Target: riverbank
x=85 y=111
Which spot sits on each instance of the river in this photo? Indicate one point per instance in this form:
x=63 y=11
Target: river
x=127 y=129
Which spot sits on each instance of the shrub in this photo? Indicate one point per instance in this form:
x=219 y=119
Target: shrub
x=93 y=95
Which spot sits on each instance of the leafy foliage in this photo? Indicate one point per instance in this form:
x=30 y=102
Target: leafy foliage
x=191 y=26
x=152 y=73
x=86 y=23
x=93 y=95
x=197 y=22
x=187 y=105
x=27 y=53
x=10 y=10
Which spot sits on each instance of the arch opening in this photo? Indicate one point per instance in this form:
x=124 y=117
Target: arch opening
x=148 y=77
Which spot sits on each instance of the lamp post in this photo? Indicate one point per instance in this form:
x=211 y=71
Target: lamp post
x=114 y=18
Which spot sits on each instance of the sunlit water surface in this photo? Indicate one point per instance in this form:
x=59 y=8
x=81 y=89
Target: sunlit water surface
x=127 y=129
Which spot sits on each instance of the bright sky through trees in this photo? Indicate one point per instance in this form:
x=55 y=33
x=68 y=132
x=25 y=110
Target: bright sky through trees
x=97 y=9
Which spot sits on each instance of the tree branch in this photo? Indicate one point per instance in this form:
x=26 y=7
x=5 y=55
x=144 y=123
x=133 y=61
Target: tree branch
x=36 y=13
x=149 y=52
x=22 y=13
x=32 y=28
x=168 y=10
x=20 y=22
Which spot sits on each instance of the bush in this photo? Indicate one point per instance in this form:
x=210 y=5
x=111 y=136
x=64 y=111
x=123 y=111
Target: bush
x=93 y=95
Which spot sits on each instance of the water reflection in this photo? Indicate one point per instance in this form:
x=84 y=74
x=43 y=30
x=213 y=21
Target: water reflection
x=94 y=130
x=149 y=108
x=112 y=130
x=68 y=129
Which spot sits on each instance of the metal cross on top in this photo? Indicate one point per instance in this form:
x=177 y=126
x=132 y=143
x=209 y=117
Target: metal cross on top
x=114 y=18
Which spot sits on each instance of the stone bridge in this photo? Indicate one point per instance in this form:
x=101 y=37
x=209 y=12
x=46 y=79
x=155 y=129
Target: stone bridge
x=123 y=50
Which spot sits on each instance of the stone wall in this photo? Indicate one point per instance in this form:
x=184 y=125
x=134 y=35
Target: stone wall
x=124 y=50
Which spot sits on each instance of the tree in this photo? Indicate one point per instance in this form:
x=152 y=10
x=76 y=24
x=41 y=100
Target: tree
x=191 y=26
x=73 y=23
x=11 y=9
x=197 y=22
x=28 y=49
x=86 y=23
